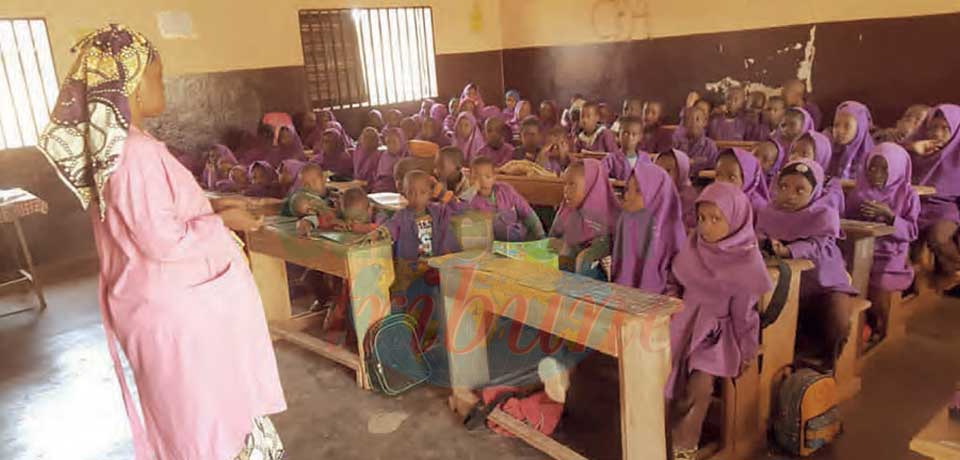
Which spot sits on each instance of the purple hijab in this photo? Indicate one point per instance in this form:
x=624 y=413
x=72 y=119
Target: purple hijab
x=478 y=101
x=597 y=214
x=754 y=181
x=805 y=127
x=437 y=114
x=822 y=151
x=384 y=180
x=474 y=142
x=210 y=177
x=778 y=163
x=941 y=169
x=515 y=119
x=293 y=168
x=688 y=194
x=618 y=165
x=848 y=159
x=270 y=190
x=645 y=242
x=897 y=191
x=365 y=164
x=337 y=161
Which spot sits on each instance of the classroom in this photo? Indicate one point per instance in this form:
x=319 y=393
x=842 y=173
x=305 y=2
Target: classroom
x=476 y=229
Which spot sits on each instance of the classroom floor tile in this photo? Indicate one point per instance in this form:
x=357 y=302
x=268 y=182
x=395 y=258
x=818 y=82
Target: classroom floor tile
x=60 y=400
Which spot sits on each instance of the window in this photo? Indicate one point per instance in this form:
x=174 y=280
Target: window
x=368 y=56
x=28 y=81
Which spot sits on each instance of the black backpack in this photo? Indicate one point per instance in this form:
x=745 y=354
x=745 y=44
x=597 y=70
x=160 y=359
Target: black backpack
x=394 y=360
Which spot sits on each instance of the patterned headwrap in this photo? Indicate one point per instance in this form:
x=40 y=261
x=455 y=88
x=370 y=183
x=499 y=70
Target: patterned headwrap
x=88 y=126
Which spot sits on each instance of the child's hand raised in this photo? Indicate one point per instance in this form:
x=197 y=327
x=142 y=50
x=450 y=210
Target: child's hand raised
x=925 y=147
x=781 y=250
x=692 y=98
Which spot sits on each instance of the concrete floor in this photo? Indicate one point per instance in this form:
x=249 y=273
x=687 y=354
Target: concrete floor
x=60 y=400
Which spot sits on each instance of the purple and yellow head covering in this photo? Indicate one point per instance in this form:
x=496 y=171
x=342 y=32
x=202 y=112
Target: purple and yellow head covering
x=88 y=127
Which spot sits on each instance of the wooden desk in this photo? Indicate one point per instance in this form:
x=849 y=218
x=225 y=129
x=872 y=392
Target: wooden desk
x=707 y=174
x=340 y=187
x=539 y=191
x=746 y=145
x=627 y=324
x=15 y=204
x=263 y=206
x=940 y=439
x=590 y=155
x=922 y=190
x=858 y=247
x=367 y=270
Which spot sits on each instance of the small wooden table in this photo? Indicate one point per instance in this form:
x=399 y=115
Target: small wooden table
x=746 y=145
x=858 y=247
x=625 y=323
x=538 y=191
x=366 y=268
x=15 y=204
x=940 y=439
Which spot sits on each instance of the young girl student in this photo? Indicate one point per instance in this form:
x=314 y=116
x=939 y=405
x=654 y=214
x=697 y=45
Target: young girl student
x=588 y=213
x=771 y=117
x=722 y=275
x=692 y=139
x=771 y=157
x=801 y=224
x=677 y=165
x=852 y=141
x=431 y=128
x=883 y=194
x=649 y=232
x=796 y=121
x=422 y=229
x=308 y=196
x=549 y=114
x=287 y=174
x=620 y=161
x=467 y=135
x=523 y=110
x=935 y=154
x=396 y=150
x=738 y=167
x=217 y=167
x=263 y=181
x=496 y=148
x=366 y=156
x=593 y=136
x=816 y=147
x=531 y=140
x=655 y=137
x=514 y=219
x=555 y=154
x=510 y=101
x=333 y=155
x=736 y=123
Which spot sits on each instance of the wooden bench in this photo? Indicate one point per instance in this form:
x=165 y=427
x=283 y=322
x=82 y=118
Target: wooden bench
x=628 y=324
x=542 y=191
x=746 y=145
x=940 y=438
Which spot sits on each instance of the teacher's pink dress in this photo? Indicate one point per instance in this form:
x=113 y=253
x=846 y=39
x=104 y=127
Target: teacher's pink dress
x=176 y=292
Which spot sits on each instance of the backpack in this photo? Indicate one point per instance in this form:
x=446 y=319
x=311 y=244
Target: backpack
x=394 y=360
x=807 y=417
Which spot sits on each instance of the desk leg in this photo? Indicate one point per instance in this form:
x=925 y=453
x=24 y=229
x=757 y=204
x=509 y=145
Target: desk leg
x=270 y=274
x=466 y=332
x=644 y=365
x=370 y=274
x=34 y=278
x=859 y=256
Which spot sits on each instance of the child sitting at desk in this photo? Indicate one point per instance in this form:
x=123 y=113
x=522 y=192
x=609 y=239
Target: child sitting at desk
x=287 y=174
x=422 y=229
x=736 y=123
x=448 y=169
x=800 y=223
x=514 y=219
x=852 y=141
x=396 y=150
x=816 y=147
x=555 y=154
x=333 y=155
x=656 y=138
x=467 y=135
x=649 y=231
x=496 y=148
x=352 y=215
x=219 y=161
x=771 y=117
x=692 y=139
x=593 y=136
x=588 y=213
x=722 y=275
x=621 y=160
x=771 y=157
x=740 y=168
x=906 y=126
x=366 y=156
x=530 y=140
x=308 y=195
x=263 y=181
x=883 y=194
x=236 y=182
x=677 y=166
x=796 y=122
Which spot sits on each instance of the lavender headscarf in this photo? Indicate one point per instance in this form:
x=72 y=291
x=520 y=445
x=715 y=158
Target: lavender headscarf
x=848 y=159
x=805 y=127
x=818 y=219
x=270 y=190
x=596 y=215
x=897 y=192
x=337 y=160
x=384 y=179
x=292 y=167
x=733 y=265
x=210 y=176
x=941 y=169
x=754 y=181
x=688 y=194
x=478 y=101
x=633 y=266
x=474 y=142
x=822 y=147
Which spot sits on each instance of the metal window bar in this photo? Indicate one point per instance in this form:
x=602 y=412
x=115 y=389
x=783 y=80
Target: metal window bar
x=28 y=81
x=367 y=56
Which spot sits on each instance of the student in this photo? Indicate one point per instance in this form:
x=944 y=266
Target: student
x=468 y=106
x=816 y=147
x=649 y=231
x=259 y=147
x=448 y=169
x=795 y=123
x=352 y=215
x=523 y=110
x=588 y=213
x=287 y=174
x=794 y=94
x=308 y=196
x=391 y=119
x=722 y=275
x=431 y=127
x=236 y=182
x=288 y=147
x=263 y=181
x=219 y=160
x=771 y=118
x=471 y=92
x=621 y=161
x=883 y=194
x=756 y=101
x=632 y=108
x=556 y=152
x=333 y=155
x=771 y=156
x=677 y=165
x=655 y=137
x=570 y=118
x=396 y=150
x=549 y=114
x=593 y=137
x=852 y=141
x=514 y=219
x=530 y=140
x=906 y=126
x=800 y=224
x=486 y=113
x=366 y=156
x=467 y=135
x=740 y=168
x=606 y=116
x=736 y=123
x=422 y=229
x=326 y=120
x=495 y=148
x=410 y=126
x=310 y=128
x=935 y=156
x=510 y=101
x=692 y=139
x=453 y=107
x=374 y=120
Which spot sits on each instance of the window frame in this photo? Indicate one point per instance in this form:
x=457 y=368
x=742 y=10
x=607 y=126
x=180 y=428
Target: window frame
x=50 y=103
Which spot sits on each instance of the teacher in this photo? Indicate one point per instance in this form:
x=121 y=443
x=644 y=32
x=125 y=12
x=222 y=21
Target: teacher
x=175 y=291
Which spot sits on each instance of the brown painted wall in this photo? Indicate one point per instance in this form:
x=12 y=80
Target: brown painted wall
x=885 y=63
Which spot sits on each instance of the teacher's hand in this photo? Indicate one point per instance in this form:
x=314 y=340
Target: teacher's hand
x=240 y=220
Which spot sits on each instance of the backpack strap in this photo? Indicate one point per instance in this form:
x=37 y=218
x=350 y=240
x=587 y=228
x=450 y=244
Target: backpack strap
x=779 y=298
x=477 y=417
